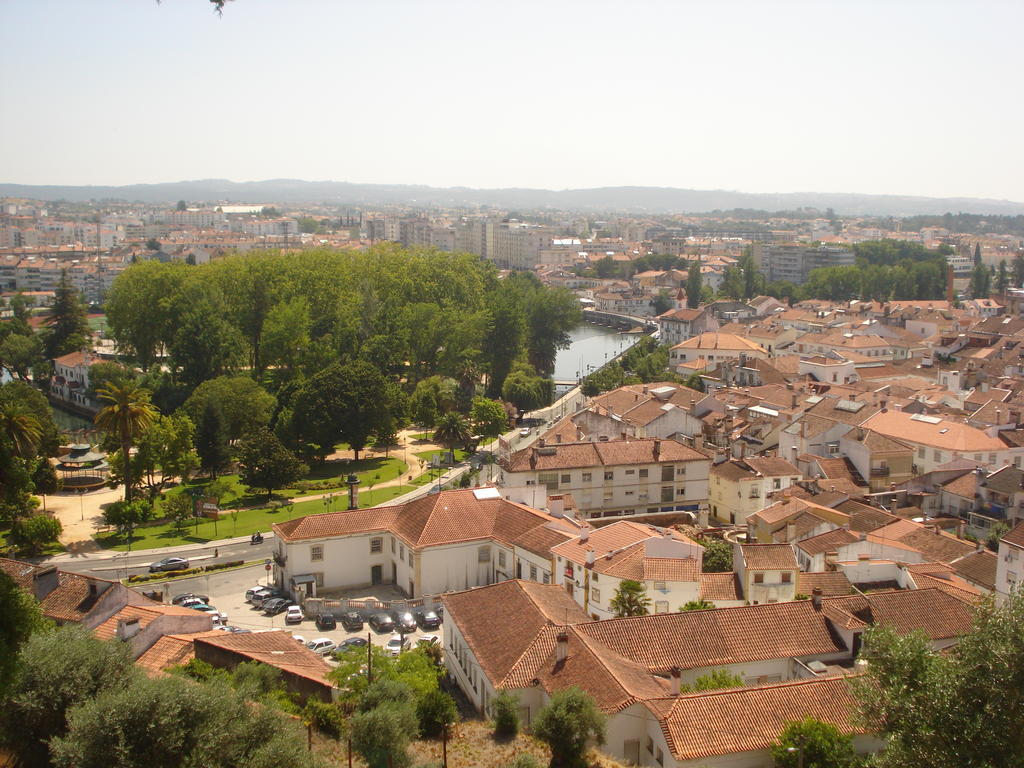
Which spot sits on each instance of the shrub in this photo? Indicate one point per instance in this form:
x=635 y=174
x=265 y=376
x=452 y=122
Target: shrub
x=566 y=725
x=506 y=715
x=436 y=710
x=385 y=692
x=524 y=760
x=381 y=735
x=326 y=718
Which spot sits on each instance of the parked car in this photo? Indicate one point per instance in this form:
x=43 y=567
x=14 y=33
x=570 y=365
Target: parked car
x=240 y=631
x=524 y=432
x=193 y=602
x=395 y=645
x=179 y=599
x=169 y=564
x=275 y=606
x=299 y=639
x=428 y=619
x=405 y=622
x=321 y=645
x=352 y=621
x=352 y=642
x=326 y=621
x=382 y=622
x=293 y=614
x=213 y=612
x=252 y=594
x=260 y=601
x=428 y=640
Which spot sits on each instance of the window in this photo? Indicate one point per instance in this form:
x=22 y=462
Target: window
x=594 y=577
x=392 y=545
x=921 y=452
x=629 y=493
x=659 y=757
x=755 y=492
x=550 y=479
x=643 y=473
x=787 y=577
x=483 y=555
x=668 y=472
x=376 y=545
x=595 y=595
x=609 y=474
x=667 y=493
x=411 y=561
x=316 y=552
x=401 y=552
x=547 y=578
x=533 y=573
x=681 y=491
x=759 y=578
x=565 y=478
x=501 y=559
x=991 y=458
x=661 y=606
x=681 y=471
x=630 y=471
x=938 y=455
x=777 y=483
x=587 y=477
x=659 y=585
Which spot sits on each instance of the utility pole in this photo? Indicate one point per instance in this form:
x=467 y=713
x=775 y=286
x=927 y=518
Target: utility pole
x=369 y=658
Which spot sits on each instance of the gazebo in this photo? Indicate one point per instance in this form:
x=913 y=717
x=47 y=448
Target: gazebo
x=83 y=469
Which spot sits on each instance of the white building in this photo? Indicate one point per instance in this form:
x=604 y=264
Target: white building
x=740 y=487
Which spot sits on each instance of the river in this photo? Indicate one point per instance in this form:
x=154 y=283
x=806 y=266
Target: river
x=591 y=347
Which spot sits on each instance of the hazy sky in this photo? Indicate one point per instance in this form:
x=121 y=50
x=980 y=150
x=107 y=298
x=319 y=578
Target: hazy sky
x=887 y=97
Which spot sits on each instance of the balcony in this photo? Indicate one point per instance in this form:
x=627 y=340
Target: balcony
x=879 y=471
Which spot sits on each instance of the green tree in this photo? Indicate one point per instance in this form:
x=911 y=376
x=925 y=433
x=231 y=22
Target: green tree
x=1018 y=269
x=525 y=389
x=286 y=334
x=45 y=480
x=142 y=309
x=104 y=375
x=164 y=451
x=21 y=428
x=981 y=281
x=506 y=716
x=324 y=717
x=35 y=532
x=152 y=244
x=961 y=707
x=67 y=326
x=206 y=345
x=381 y=735
x=452 y=431
x=717 y=679
x=717 y=555
x=977 y=254
x=436 y=711
x=489 y=417
x=243 y=404
x=178 y=508
x=432 y=397
x=19 y=353
x=264 y=462
x=630 y=599
x=212 y=444
x=811 y=743
x=181 y=206
x=696 y=605
x=1002 y=278
x=566 y=724
x=128 y=413
x=126 y=516
x=22 y=618
x=694 y=284
x=55 y=672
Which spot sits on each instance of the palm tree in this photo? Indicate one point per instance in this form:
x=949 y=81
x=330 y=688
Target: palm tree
x=452 y=430
x=630 y=599
x=128 y=414
x=22 y=429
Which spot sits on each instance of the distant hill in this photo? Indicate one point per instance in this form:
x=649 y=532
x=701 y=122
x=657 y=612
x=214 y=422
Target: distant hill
x=635 y=200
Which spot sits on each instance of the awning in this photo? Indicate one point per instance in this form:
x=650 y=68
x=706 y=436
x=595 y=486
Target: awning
x=304 y=578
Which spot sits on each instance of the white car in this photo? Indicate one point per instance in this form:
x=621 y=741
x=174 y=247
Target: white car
x=395 y=645
x=321 y=645
x=299 y=639
x=524 y=432
x=428 y=640
x=217 y=616
x=293 y=615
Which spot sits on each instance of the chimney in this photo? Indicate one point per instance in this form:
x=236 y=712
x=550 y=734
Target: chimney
x=562 y=647
x=796 y=399
x=863 y=537
x=657 y=450
x=816 y=598
x=790 y=531
x=44 y=581
x=584 y=535
x=698 y=443
x=540 y=443
x=127 y=628
x=590 y=556
x=556 y=506
x=558 y=438
x=676 y=680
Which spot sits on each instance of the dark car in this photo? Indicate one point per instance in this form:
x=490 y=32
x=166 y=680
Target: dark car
x=169 y=564
x=352 y=642
x=428 y=619
x=325 y=621
x=405 y=622
x=261 y=600
x=382 y=622
x=179 y=599
x=352 y=621
x=275 y=606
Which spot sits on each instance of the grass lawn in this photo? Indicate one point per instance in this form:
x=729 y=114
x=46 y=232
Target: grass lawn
x=331 y=476
x=54 y=548
x=460 y=454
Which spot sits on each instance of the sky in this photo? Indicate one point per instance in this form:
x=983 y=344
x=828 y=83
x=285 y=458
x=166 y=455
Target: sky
x=891 y=97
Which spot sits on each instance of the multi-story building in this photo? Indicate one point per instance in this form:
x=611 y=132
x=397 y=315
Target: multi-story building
x=612 y=478
x=794 y=262
x=740 y=487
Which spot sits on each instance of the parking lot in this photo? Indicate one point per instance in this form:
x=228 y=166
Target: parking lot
x=227 y=593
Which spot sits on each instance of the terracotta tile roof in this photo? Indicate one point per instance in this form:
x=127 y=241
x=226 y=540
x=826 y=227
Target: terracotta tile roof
x=946 y=435
x=543 y=538
x=146 y=614
x=941 y=615
x=864 y=518
x=485 y=614
x=615 y=682
x=1015 y=535
x=171 y=651
x=978 y=567
x=934 y=544
x=441 y=518
x=768 y=557
x=599 y=454
x=964 y=486
x=782 y=511
x=706 y=725
x=276 y=648
x=1007 y=480
x=697 y=639
x=829 y=582
x=725 y=341
x=19 y=571
x=624 y=541
x=827 y=542
x=720 y=586
x=941 y=576
x=772 y=466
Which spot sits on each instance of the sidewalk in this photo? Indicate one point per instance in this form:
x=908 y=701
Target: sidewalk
x=149 y=555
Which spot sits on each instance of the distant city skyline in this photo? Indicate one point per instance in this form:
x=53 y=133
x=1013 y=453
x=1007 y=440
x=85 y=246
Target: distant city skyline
x=909 y=98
